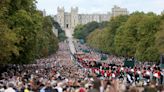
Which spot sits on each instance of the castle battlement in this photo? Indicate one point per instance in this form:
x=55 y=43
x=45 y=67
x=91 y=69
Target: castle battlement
x=69 y=20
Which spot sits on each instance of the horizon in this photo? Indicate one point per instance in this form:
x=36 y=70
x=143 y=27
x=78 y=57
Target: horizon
x=103 y=6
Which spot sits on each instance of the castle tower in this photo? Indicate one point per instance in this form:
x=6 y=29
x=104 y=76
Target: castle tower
x=44 y=12
x=60 y=16
x=74 y=17
x=162 y=12
x=116 y=11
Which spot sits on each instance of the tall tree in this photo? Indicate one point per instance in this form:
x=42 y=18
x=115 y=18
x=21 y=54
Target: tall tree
x=83 y=31
x=131 y=36
x=147 y=28
x=99 y=39
x=160 y=37
x=25 y=31
x=61 y=33
x=125 y=40
x=8 y=41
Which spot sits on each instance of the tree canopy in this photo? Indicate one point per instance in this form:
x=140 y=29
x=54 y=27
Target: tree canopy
x=82 y=31
x=61 y=33
x=138 y=35
x=25 y=33
x=160 y=37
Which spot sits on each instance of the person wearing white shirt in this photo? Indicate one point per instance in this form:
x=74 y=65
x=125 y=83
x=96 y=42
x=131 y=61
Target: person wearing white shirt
x=10 y=88
x=2 y=89
x=59 y=88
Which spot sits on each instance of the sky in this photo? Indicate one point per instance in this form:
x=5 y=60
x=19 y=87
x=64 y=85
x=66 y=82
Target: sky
x=101 y=6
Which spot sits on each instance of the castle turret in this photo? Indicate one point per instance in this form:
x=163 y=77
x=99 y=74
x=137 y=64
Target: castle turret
x=74 y=17
x=69 y=20
x=60 y=16
x=116 y=11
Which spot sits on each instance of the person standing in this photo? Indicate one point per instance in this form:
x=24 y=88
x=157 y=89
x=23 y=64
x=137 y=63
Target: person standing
x=10 y=88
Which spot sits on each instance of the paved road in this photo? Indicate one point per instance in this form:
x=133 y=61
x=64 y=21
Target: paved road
x=69 y=33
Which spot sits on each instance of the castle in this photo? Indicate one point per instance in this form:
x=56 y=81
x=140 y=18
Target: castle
x=69 y=20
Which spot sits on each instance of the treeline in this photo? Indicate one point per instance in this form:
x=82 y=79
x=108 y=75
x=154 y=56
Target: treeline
x=25 y=33
x=61 y=33
x=138 y=35
x=82 y=31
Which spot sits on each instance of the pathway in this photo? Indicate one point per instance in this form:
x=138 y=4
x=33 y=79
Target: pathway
x=69 y=33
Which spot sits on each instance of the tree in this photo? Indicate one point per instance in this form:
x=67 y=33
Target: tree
x=131 y=36
x=104 y=38
x=8 y=41
x=22 y=23
x=47 y=28
x=26 y=33
x=147 y=28
x=82 y=31
x=125 y=40
x=117 y=21
x=113 y=26
x=99 y=39
x=159 y=41
x=27 y=5
x=61 y=33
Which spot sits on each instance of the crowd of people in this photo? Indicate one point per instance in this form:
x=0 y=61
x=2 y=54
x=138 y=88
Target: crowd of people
x=114 y=68
x=93 y=55
x=64 y=72
x=50 y=74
